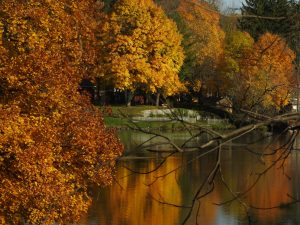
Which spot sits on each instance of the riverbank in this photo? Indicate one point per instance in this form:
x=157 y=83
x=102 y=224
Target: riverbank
x=161 y=118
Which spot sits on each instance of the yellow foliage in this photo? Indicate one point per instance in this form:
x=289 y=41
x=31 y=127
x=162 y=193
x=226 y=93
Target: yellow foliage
x=140 y=48
x=260 y=74
x=237 y=47
x=53 y=142
x=274 y=60
x=197 y=85
x=203 y=41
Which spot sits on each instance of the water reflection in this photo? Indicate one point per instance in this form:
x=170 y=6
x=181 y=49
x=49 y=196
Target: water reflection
x=130 y=200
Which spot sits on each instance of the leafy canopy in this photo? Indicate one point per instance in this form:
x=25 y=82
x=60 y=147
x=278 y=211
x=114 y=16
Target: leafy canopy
x=286 y=14
x=53 y=142
x=140 y=48
x=203 y=42
x=258 y=75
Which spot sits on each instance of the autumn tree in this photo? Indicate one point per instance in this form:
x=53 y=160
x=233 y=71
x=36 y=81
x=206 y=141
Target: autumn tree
x=140 y=48
x=279 y=17
x=273 y=62
x=237 y=47
x=203 y=42
x=53 y=142
x=257 y=76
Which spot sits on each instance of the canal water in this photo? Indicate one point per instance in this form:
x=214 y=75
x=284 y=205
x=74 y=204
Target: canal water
x=136 y=199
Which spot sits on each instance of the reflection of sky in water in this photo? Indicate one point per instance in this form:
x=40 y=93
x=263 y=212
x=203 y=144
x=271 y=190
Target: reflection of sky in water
x=223 y=218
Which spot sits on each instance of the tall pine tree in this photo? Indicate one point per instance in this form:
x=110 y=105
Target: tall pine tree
x=283 y=18
x=278 y=10
x=293 y=31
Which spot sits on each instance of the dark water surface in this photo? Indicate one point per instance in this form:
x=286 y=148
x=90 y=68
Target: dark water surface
x=133 y=198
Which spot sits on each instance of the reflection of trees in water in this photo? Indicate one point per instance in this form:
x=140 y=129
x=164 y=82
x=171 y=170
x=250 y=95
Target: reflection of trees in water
x=180 y=176
x=271 y=190
x=240 y=170
x=131 y=201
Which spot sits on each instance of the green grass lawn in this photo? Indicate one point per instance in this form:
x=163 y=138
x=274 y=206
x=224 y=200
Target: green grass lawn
x=120 y=117
x=131 y=110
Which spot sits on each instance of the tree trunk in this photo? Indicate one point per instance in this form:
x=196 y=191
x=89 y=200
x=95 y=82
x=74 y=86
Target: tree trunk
x=147 y=99
x=170 y=102
x=128 y=96
x=100 y=92
x=97 y=96
x=157 y=99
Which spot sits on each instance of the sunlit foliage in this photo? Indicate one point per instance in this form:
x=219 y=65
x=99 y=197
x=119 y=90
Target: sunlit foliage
x=140 y=48
x=237 y=48
x=271 y=65
x=287 y=26
x=53 y=142
x=203 y=42
x=258 y=75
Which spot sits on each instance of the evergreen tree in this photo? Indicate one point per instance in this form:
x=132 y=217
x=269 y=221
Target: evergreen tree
x=257 y=26
x=293 y=31
x=284 y=20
